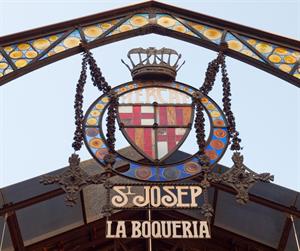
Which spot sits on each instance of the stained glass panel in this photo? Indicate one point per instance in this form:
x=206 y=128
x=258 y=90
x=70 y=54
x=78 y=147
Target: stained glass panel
x=282 y=58
x=236 y=45
x=172 y=23
x=144 y=139
x=71 y=41
x=23 y=53
x=94 y=31
x=135 y=22
x=5 y=67
x=136 y=115
x=211 y=33
x=173 y=115
x=168 y=139
x=151 y=111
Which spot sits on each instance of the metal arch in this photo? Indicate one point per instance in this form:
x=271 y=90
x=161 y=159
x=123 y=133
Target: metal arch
x=151 y=8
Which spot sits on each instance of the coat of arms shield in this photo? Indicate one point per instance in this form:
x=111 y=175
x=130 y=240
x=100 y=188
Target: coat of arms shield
x=157 y=129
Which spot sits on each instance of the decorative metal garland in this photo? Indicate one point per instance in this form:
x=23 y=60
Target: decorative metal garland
x=239 y=177
x=74 y=178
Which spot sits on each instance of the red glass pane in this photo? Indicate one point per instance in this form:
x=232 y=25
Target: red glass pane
x=136 y=115
x=143 y=139
x=168 y=140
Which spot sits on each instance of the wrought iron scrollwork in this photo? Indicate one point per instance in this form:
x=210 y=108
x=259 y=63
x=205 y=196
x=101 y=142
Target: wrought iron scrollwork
x=71 y=181
x=206 y=209
x=109 y=160
x=241 y=178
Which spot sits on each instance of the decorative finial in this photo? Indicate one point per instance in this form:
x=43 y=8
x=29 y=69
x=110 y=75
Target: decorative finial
x=152 y=63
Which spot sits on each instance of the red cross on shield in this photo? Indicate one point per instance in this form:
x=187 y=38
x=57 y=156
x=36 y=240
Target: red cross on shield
x=155 y=130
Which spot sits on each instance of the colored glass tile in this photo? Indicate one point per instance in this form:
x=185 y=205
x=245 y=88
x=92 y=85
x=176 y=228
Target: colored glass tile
x=140 y=172
x=144 y=172
x=214 y=112
x=95 y=113
x=297 y=73
x=209 y=32
x=171 y=173
x=179 y=171
x=135 y=22
x=282 y=58
x=5 y=67
x=94 y=31
x=236 y=45
x=143 y=139
x=172 y=23
x=95 y=143
x=71 y=41
x=192 y=167
x=23 y=53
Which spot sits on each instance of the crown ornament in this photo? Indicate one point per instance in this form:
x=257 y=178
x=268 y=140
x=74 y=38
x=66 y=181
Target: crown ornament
x=153 y=63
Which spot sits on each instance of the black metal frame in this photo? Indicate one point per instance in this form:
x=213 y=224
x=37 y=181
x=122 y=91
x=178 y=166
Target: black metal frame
x=152 y=8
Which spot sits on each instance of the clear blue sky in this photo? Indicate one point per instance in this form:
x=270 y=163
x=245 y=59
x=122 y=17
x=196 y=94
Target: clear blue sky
x=36 y=110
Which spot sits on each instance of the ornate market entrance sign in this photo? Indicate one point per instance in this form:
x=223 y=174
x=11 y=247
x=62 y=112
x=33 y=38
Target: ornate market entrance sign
x=156 y=117
x=156 y=114
x=181 y=196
